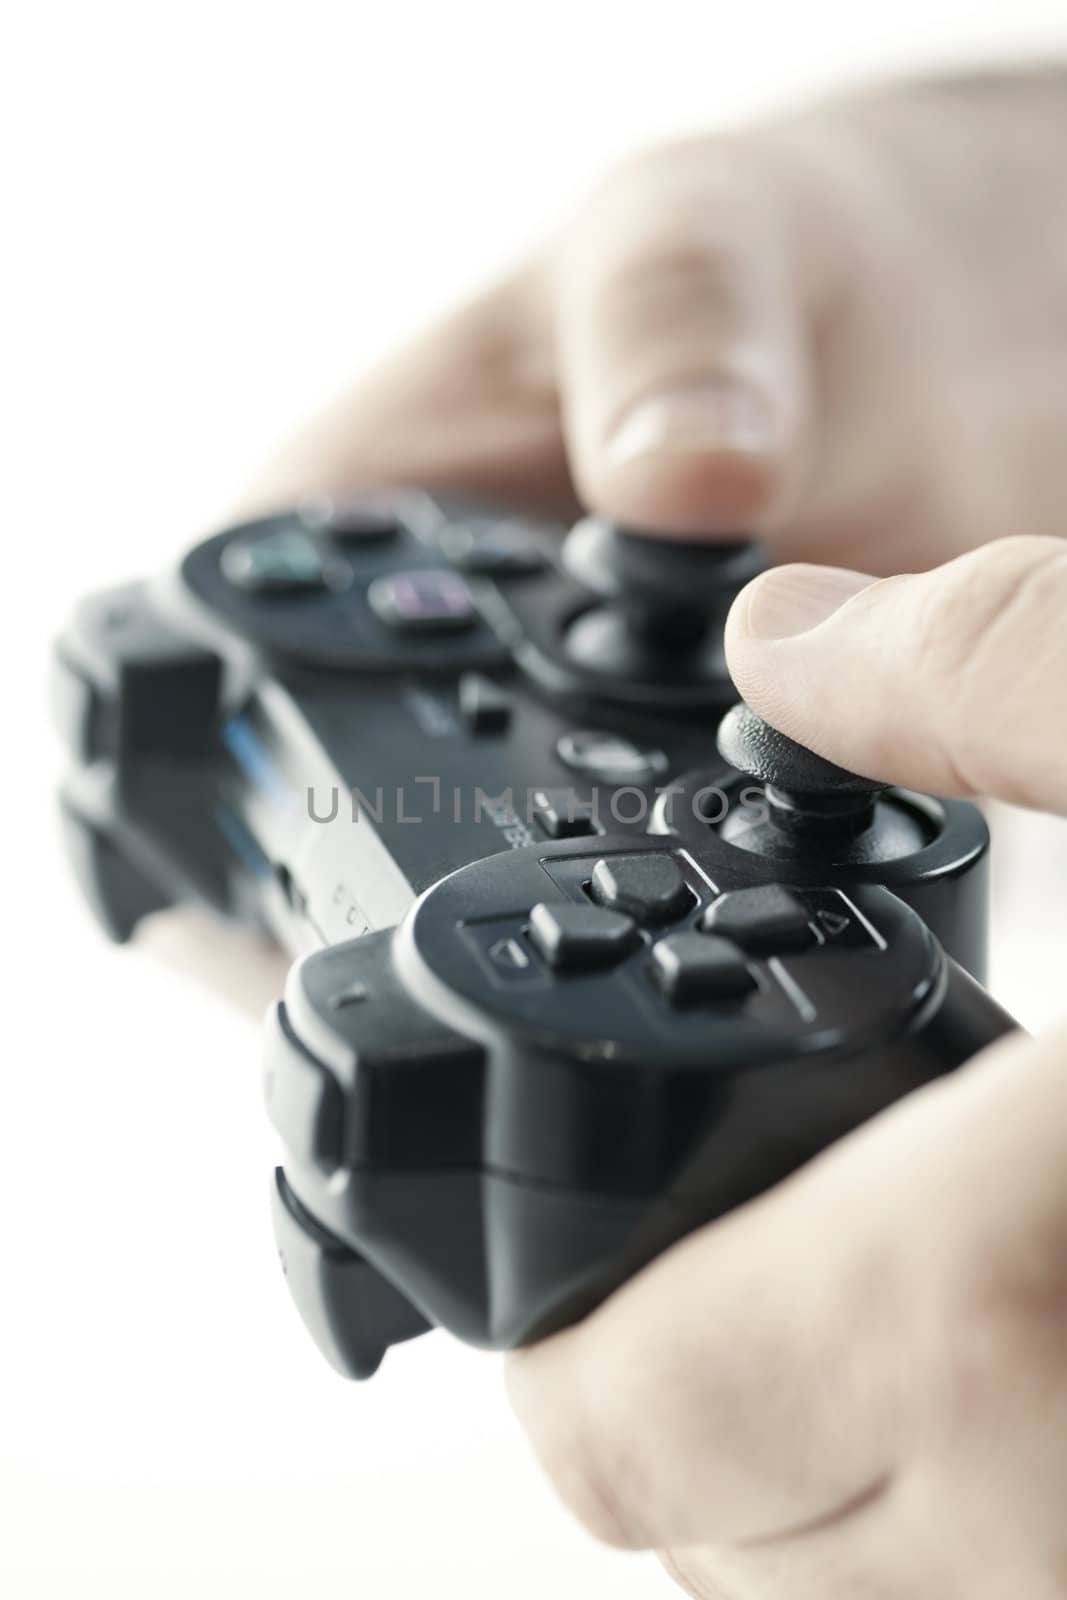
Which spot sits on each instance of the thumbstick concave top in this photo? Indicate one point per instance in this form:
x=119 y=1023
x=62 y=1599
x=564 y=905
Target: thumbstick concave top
x=751 y=745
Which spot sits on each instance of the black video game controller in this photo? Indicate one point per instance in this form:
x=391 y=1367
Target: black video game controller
x=572 y=981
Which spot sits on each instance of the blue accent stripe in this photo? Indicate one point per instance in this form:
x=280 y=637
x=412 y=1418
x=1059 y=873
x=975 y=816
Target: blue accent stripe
x=247 y=749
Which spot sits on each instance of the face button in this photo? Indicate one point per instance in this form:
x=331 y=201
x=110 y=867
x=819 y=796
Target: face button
x=281 y=563
x=360 y=520
x=581 y=938
x=484 y=706
x=610 y=757
x=649 y=886
x=496 y=549
x=691 y=967
x=429 y=600
x=766 y=919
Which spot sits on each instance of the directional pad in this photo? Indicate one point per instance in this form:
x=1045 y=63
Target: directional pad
x=766 y=919
x=649 y=886
x=581 y=938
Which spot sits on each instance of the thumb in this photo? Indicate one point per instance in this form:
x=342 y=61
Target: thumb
x=952 y=681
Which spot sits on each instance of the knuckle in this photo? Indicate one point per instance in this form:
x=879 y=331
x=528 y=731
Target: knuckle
x=1000 y=1369
x=582 y=1437
x=649 y=295
x=667 y=231
x=1001 y=1352
x=592 y=1470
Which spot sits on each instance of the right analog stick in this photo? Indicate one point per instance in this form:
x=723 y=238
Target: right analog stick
x=813 y=807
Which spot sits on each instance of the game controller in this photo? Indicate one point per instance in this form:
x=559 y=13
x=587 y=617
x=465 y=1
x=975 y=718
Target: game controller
x=573 y=980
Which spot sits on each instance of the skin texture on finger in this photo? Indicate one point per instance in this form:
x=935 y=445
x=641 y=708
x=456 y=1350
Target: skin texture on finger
x=883 y=1334
x=471 y=405
x=681 y=343
x=952 y=681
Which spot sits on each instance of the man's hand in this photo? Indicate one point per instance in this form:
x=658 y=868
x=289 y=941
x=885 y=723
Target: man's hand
x=846 y=329
x=857 y=1385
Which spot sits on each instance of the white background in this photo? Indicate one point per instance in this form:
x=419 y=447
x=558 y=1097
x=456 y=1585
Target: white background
x=214 y=215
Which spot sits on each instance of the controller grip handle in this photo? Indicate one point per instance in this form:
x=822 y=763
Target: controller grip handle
x=968 y=1019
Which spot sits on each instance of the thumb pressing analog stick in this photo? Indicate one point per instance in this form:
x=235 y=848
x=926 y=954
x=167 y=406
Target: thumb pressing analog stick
x=803 y=789
x=812 y=806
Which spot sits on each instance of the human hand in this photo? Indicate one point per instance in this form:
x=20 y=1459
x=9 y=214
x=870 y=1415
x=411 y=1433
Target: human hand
x=861 y=308
x=859 y=312
x=857 y=1384
x=845 y=329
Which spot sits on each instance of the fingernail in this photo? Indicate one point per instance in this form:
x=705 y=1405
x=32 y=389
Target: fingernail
x=791 y=600
x=699 y=420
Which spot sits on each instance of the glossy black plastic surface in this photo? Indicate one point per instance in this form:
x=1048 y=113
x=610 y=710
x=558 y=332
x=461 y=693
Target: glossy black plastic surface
x=570 y=986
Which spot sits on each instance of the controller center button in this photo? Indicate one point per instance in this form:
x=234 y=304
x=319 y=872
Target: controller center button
x=574 y=938
x=608 y=756
x=286 y=562
x=690 y=967
x=424 y=600
x=766 y=919
x=560 y=814
x=494 y=548
x=360 y=520
x=649 y=886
